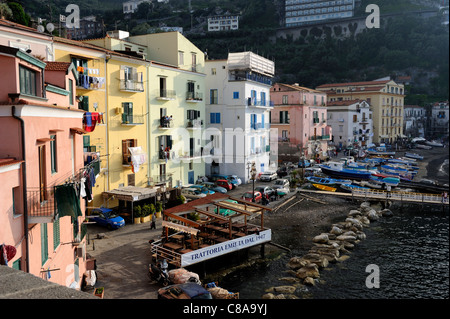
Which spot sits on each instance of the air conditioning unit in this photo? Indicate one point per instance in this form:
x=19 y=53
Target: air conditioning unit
x=119 y=110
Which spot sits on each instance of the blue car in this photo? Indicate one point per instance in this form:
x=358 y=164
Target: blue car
x=203 y=189
x=107 y=218
x=214 y=188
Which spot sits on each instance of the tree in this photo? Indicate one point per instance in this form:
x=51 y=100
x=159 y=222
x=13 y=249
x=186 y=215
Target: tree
x=18 y=14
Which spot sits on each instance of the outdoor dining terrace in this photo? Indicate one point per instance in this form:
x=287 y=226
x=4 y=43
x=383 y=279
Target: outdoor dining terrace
x=208 y=228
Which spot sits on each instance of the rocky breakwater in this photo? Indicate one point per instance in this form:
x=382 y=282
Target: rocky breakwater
x=328 y=248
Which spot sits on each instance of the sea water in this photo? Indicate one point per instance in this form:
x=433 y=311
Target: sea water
x=410 y=250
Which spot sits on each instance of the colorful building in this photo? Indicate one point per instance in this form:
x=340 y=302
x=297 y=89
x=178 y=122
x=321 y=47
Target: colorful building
x=300 y=116
x=386 y=99
x=238 y=111
x=41 y=211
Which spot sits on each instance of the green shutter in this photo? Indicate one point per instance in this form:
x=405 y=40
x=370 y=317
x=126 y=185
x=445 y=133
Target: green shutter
x=44 y=244
x=56 y=234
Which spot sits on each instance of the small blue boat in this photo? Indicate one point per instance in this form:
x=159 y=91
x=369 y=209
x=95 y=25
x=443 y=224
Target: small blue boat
x=414 y=156
x=321 y=180
x=337 y=169
x=351 y=187
x=392 y=181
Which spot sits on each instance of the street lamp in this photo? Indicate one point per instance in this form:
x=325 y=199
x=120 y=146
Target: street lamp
x=253 y=172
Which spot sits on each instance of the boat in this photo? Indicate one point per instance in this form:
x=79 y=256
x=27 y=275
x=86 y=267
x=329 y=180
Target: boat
x=385 y=180
x=321 y=180
x=350 y=187
x=414 y=155
x=337 y=169
x=424 y=147
x=434 y=143
x=380 y=151
x=324 y=188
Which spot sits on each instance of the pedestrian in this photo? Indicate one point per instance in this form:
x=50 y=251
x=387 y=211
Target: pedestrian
x=153 y=223
x=444 y=197
x=388 y=188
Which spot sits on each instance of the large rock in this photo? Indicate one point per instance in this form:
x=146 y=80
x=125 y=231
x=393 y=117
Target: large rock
x=336 y=231
x=372 y=215
x=296 y=263
x=354 y=213
x=354 y=222
x=317 y=259
x=284 y=289
x=310 y=270
x=387 y=213
x=321 y=239
x=309 y=281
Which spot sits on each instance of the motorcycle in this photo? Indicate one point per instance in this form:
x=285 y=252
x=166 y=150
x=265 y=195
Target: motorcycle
x=159 y=273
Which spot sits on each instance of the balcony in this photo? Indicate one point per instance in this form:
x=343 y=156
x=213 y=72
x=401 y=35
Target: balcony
x=194 y=97
x=160 y=180
x=166 y=155
x=255 y=102
x=165 y=123
x=319 y=137
x=41 y=205
x=132 y=120
x=194 y=124
x=131 y=86
x=166 y=95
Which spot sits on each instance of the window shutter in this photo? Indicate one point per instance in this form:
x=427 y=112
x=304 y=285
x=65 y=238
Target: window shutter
x=125 y=151
x=169 y=141
x=218 y=118
x=122 y=74
x=212 y=118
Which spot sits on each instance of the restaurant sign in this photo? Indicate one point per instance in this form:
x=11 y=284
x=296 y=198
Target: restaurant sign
x=224 y=248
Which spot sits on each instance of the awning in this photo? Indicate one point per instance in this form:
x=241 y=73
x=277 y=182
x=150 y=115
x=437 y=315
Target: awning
x=77 y=130
x=131 y=193
x=181 y=228
x=43 y=140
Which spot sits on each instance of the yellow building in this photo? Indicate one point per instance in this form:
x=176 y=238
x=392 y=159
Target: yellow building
x=111 y=86
x=175 y=89
x=386 y=99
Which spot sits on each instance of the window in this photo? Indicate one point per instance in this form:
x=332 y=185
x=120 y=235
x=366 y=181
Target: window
x=213 y=71
x=83 y=103
x=215 y=118
x=15 y=200
x=263 y=98
x=193 y=114
x=284 y=117
x=213 y=96
x=127 y=115
x=70 y=92
x=253 y=120
x=53 y=157
x=126 y=154
x=27 y=81
x=355 y=118
x=235 y=95
x=285 y=99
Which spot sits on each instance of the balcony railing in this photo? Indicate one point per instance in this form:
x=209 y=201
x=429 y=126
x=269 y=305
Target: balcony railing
x=41 y=203
x=131 y=86
x=255 y=102
x=194 y=124
x=166 y=95
x=319 y=137
x=132 y=119
x=165 y=122
x=160 y=179
x=194 y=96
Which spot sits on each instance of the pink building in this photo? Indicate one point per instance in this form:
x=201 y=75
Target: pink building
x=300 y=115
x=41 y=156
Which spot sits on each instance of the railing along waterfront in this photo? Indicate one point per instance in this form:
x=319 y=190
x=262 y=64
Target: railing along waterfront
x=402 y=196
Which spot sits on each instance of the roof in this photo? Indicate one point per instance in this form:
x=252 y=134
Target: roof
x=131 y=193
x=344 y=103
x=33 y=103
x=15 y=25
x=9 y=161
x=296 y=87
x=354 y=84
x=57 y=66
x=210 y=199
x=358 y=90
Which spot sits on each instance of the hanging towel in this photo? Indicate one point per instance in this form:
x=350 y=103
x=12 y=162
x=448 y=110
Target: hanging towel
x=67 y=203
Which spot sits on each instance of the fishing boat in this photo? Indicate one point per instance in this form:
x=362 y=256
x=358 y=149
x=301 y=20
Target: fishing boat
x=414 y=156
x=384 y=180
x=351 y=187
x=337 y=169
x=327 y=181
x=324 y=188
x=434 y=143
x=423 y=147
x=380 y=151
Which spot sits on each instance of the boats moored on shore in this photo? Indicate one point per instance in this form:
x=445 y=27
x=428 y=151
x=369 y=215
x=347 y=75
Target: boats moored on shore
x=338 y=169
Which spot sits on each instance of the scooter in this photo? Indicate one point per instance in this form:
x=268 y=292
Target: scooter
x=159 y=273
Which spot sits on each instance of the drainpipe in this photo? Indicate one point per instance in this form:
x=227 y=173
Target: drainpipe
x=24 y=189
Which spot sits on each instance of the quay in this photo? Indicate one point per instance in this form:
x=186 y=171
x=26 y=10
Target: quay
x=403 y=197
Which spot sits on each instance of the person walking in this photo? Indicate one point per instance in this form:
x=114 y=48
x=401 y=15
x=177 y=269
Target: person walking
x=153 y=223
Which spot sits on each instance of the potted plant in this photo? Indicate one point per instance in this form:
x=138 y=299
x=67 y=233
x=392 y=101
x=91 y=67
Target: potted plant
x=158 y=208
x=146 y=211
x=137 y=211
x=99 y=292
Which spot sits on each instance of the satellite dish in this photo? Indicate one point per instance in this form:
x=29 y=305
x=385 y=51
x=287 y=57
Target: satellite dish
x=41 y=28
x=50 y=27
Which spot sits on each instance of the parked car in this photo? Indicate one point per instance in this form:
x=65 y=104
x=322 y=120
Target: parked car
x=282 y=171
x=267 y=191
x=268 y=176
x=189 y=290
x=192 y=193
x=248 y=196
x=202 y=189
x=107 y=218
x=281 y=183
x=234 y=180
x=213 y=187
x=225 y=184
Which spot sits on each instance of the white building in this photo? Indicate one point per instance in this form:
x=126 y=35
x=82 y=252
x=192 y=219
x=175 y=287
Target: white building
x=351 y=122
x=414 y=119
x=223 y=23
x=301 y=12
x=438 y=122
x=131 y=6
x=237 y=113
